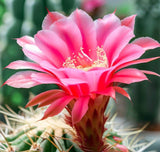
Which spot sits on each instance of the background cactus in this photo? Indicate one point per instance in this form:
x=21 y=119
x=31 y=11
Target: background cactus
x=146 y=95
x=2 y=9
x=11 y=28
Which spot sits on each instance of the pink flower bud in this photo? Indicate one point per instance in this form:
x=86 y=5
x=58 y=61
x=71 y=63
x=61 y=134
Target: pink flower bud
x=122 y=148
x=118 y=139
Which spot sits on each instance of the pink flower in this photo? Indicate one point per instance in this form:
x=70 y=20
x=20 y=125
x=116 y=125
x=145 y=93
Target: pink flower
x=90 y=5
x=85 y=58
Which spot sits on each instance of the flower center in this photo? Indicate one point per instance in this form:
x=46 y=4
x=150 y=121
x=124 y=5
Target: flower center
x=82 y=61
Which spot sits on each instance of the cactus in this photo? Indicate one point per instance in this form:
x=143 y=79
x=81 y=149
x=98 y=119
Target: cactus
x=29 y=134
x=26 y=132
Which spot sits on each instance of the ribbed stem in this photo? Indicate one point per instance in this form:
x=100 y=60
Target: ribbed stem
x=89 y=131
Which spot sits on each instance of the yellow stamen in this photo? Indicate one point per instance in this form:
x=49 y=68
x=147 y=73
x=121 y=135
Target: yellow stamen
x=102 y=60
x=79 y=61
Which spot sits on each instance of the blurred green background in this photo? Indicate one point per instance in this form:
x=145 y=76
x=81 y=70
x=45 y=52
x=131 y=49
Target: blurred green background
x=24 y=17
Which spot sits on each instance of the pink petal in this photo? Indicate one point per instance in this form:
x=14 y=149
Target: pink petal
x=150 y=73
x=109 y=91
x=73 y=73
x=41 y=97
x=25 y=40
x=68 y=31
x=105 y=26
x=47 y=66
x=22 y=80
x=146 y=43
x=119 y=66
x=53 y=47
x=50 y=19
x=19 y=64
x=129 y=21
x=116 y=41
x=129 y=53
x=45 y=78
x=84 y=89
x=122 y=92
x=72 y=81
x=33 y=53
x=80 y=108
x=90 y=78
x=79 y=90
x=87 y=30
x=30 y=49
x=57 y=106
x=104 y=79
x=129 y=76
x=76 y=87
x=93 y=78
x=51 y=99
x=82 y=79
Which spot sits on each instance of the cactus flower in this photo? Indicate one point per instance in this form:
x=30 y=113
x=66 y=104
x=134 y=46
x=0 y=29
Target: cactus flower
x=88 y=60
x=90 y=5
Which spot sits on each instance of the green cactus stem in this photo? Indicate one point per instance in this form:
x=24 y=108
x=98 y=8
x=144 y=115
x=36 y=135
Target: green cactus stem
x=25 y=132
